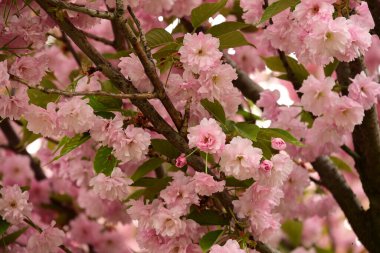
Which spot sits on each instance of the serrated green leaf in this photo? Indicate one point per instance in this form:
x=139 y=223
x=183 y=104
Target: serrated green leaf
x=269 y=133
x=331 y=67
x=203 y=12
x=4 y=225
x=209 y=239
x=293 y=229
x=69 y=144
x=166 y=148
x=276 y=8
x=158 y=37
x=233 y=39
x=247 y=130
x=208 y=217
x=11 y=238
x=340 y=164
x=226 y=27
x=104 y=161
x=146 y=167
x=215 y=109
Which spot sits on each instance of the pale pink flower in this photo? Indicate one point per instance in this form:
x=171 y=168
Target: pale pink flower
x=131 y=67
x=240 y=159
x=89 y=83
x=13 y=106
x=111 y=242
x=30 y=69
x=318 y=96
x=168 y=223
x=363 y=17
x=282 y=165
x=14 y=206
x=16 y=169
x=231 y=246
x=216 y=80
x=75 y=115
x=253 y=10
x=200 y=52
x=181 y=161
x=309 y=10
x=47 y=241
x=91 y=203
x=42 y=121
x=112 y=187
x=156 y=7
x=364 y=90
x=183 y=8
x=205 y=185
x=208 y=136
x=107 y=131
x=131 y=144
x=268 y=101
x=372 y=57
x=85 y=231
x=346 y=113
x=278 y=144
x=266 y=166
x=4 y=76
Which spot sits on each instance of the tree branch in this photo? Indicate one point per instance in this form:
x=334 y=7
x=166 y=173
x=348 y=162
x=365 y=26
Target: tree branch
x=82 y=9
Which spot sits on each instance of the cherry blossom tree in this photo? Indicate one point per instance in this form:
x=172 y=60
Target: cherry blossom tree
x=160 y=126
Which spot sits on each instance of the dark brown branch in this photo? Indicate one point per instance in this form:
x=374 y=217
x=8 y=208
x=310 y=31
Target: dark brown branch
x=291 y=75
x=100 y=39
x=82 y=9
x=13 y=144
x=71 y=49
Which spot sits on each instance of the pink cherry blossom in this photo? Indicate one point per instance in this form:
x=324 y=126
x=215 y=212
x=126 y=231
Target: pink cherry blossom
x=112 y=187
x=14 y=206
x=231 y=246
x=4 y=76
x=278 y=144
x=13 y=106
x=26 y=68
x=200 y=52
x=181 y=161
x=240 y=159
x=47 y=241
x=43 y=121
x=268 y=100
x=364 y=90
x=207 y=136
x=253 y=10
x=205 y=185
x=275 y=173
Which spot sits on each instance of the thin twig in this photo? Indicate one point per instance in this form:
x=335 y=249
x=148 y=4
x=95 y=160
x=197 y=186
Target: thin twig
x=71 y=49
x=100 y=39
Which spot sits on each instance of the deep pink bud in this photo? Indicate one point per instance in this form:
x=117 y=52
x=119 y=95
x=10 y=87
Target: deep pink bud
x=266 y=165
x=181 y=161
x=278 y=144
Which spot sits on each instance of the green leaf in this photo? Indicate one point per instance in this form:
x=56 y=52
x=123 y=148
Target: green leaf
x=11 y=238
x=293 y=229
x=265 y=146
x=233 y=182
x=104 y=161
x=308 y=118
x=40 y=98
x=247 y=130
x=136 y=195
x=158 y=37
x=340 y=164
x=153 y=185
x=69 y=144
x=166 y=148
x=167 y=50
x=208 y=217
x=233 y=39
x=146 y=167
x=226 y=27
x=331 y=67
x=117 y=55
x=4 y=225
x=203 y=12
x=270 y=133
x=27 y=136
x=274 y=63
x=209 y=239
x=276 y=8
x=215 y=109
x=103 y=103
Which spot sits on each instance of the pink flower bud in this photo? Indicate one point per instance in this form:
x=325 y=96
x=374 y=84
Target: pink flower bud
x=266 y=165
x=181 y=161
x=278 y=144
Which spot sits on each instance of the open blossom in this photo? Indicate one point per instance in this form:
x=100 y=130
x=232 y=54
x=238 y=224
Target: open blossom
x=253 y=10
x=205 y=185
x=85 y=230
x=42 y=121
x=364 y=90
x=131 y=67
x=16 y=170
x=278 y=144
x=240 y=159
x=318 y=96
x=275 y=172
x=200 y=52
x=168 y=223
x=131 y=144
x=4 y=76
x=208 y=136
x=268 y=101
x=75 y=115
x=14 y=206
x=314 y=10
x=29 y=68
x=47 y=241
x=111 y=187
x=13 y=106
x=216 y=80
x=231 y=246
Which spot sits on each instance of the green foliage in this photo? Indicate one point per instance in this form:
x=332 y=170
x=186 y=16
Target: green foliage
x=11 y=238
x=27 y=136
x=146 y=167
x=209 y=239
x=208 y=217
x=331 y=67
x=68 y=144
x=158 y=37
x=105 y=104
x=269 y=133
x=40 y=98
x=233 y=182
x=215 y=109
x=4 y=225
x=276 y=8
x=247 y=130
x=293 y=230
x=340 y=164
x=203 y=12
x=104 y=161
x=226 y=27
x=153 y=186
x=166 y=148
x=232 y=39
x=274 y=63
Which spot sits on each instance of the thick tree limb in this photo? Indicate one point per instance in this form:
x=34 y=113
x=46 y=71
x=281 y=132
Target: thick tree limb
x=13 y=144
